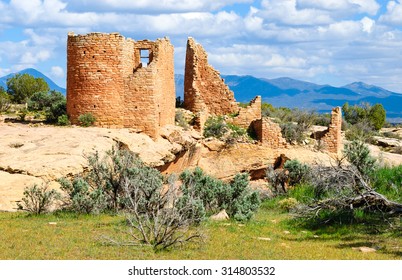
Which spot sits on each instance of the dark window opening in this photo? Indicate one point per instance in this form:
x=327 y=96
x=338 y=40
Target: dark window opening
x=85 y=52
x=94 y=106
x=93 y=56
x=144 y=56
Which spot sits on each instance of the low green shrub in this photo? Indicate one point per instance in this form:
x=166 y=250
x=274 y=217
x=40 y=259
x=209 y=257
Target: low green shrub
x=86 y=120
x=181 y=120
x=298 y=172
x=303 y=193
x=361 y=131
x=292 y=132
x=215 y=127
x=230 y=133
x=388 y=181
x=55 y=110
x=38 y=199
x=358 y=154
x=83 y=197
x=22 y=114
x=288 y=203
x=63 y=120
x=239 y=202
x=5 y=100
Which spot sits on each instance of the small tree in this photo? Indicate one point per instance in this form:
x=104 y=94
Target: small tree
x=44 y=99
x=377 y=116
x=22 y=86
x=364 y=112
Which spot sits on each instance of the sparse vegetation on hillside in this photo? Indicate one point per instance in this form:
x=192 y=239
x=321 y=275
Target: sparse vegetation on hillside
x=294 y=123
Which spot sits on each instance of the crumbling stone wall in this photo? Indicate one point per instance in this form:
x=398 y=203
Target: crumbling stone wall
x=247 y=115
x=269 y=133
x=203 y=85
x=107 y=77
x=332 y=140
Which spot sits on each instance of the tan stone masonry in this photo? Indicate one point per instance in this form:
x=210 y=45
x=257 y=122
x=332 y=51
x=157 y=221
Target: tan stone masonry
x=122 y=82
x=332 y=139
x=204 y=88
x=127 y=83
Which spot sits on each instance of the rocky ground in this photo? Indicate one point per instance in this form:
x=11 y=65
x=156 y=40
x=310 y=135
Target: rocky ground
x=35 y=154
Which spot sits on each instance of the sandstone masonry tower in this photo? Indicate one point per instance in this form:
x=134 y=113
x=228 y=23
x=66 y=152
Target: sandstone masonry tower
x=122 y=82
x=333 y=137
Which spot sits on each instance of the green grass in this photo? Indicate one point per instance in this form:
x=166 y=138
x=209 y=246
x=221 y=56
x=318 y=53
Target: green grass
x=388 y=181
x=74 y=237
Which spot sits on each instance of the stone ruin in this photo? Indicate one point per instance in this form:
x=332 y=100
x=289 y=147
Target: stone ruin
x=130 y=84
x=205 y=93
x=121 y=82
x=332 y=137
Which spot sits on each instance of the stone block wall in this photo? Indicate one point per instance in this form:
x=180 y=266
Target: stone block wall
x=332 y=140
x=150 y=91
x=203 y=85
x=247 y=115
x=269 y=133
x=105 y=77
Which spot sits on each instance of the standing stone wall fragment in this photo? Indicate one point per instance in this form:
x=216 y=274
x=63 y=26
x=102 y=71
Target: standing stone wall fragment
x=122 y=82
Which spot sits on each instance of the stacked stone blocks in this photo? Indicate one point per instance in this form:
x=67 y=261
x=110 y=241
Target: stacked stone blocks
x=246 y=116
x=204 y=89
x=332 y=139
x=269 y=133
x=105 y=77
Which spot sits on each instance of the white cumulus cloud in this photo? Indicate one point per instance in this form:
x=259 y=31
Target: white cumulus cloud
x=149 y=6
x=370 y=7
x=394 y=13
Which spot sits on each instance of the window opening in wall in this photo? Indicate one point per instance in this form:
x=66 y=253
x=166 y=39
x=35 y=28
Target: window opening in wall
x=144 y=56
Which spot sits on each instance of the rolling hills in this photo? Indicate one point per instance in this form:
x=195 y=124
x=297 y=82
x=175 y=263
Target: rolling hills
x=287 y=92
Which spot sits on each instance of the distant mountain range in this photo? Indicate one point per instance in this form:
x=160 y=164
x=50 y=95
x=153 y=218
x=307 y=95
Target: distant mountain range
x=293 y=93
x=36 y=74
x=287 y=92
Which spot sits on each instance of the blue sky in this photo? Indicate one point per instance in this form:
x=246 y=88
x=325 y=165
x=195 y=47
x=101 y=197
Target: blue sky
x=323 y=41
